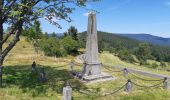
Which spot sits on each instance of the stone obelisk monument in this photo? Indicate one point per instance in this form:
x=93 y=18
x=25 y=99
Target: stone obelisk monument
x=92 y=67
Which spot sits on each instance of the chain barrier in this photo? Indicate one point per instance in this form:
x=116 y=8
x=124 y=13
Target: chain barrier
x=107 y=68
x=153 y=86
x=78 y=64
x=132 y=74
x=105 y=65
x=143 y=78
x=113 y=92
x=98 y=94
x=101 y=94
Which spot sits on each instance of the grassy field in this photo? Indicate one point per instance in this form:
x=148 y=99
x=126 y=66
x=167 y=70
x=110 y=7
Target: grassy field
x=19 y=83
x=110 y=59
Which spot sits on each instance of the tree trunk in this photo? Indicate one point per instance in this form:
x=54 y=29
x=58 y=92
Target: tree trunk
x=12 y=43
x=1 y=23
x=1 y=36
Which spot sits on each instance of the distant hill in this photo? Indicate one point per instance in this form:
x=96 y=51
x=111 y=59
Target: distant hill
x=116 y=42
x=148 y=38
x=108 y=40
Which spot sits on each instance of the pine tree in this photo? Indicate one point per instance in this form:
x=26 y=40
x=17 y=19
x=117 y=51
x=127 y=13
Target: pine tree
x=72 y=31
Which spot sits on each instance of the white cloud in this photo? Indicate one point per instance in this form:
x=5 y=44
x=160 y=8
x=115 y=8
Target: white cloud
x=167 y=3
x=86 y=14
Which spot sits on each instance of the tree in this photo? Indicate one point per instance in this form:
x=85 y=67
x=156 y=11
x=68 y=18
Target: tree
x=143 y=52
x=126 y=56
x=65 y=34
x=163 y=64
x=53 y=35
x=45 y=35
x=34 y=34
x=20 y=13
x=100 y=46
x=72 y=31
x=119 y=47
x=51 y=47
x=154 y=65
x=70 y=45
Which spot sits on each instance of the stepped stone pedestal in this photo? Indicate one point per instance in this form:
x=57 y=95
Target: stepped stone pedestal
x=92 y=66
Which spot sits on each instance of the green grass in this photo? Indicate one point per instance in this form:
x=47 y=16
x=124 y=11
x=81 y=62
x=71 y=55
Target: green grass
x=19 y=83
x=110 y=59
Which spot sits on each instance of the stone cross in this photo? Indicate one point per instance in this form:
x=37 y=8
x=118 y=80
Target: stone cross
x=93 y=66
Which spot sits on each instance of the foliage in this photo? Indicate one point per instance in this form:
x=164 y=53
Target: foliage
x=101 y=46
x=45 y=36
x=52 y=47
x=72 y=32
x=154 y=65
x=70 y=45
x=21 y=84
x=163 y=64
x=118 y=44
x=126 y=56
x=18 y=14
x=143 y=52
x=65 y=34
x=34 y=34
x=161 y=53
x=142 y=62
x=53 y=34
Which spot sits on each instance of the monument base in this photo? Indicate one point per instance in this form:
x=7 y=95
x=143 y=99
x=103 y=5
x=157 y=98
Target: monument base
x=97 y=78
x=92 y=78
x=91 y=69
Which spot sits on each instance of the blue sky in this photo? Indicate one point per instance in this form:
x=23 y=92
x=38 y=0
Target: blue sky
x=122 y=16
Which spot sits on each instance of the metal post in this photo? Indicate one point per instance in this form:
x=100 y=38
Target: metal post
x=125 y=72
x=67 y=92
x=33 y=66
x=165 y=83
x=1 y=68
x=128 y=87
x=42 y=76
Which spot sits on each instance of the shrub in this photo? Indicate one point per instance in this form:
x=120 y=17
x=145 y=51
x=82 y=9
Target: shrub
x=126 y=56
x=142 y=62
x=70 y=45
x=162 y=64
x=154 y=65
x=52 y=47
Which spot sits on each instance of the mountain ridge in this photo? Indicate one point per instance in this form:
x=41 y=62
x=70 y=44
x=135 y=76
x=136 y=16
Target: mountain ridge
x=156 y=40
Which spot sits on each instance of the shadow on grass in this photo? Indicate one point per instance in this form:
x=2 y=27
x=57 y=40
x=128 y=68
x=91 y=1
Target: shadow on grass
x=24 y=79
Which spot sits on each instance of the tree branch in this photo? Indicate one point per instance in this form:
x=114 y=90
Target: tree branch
x=5 y=39
x=8 y=9
x=60 y=2
x=13 y=42
x=37 y=2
